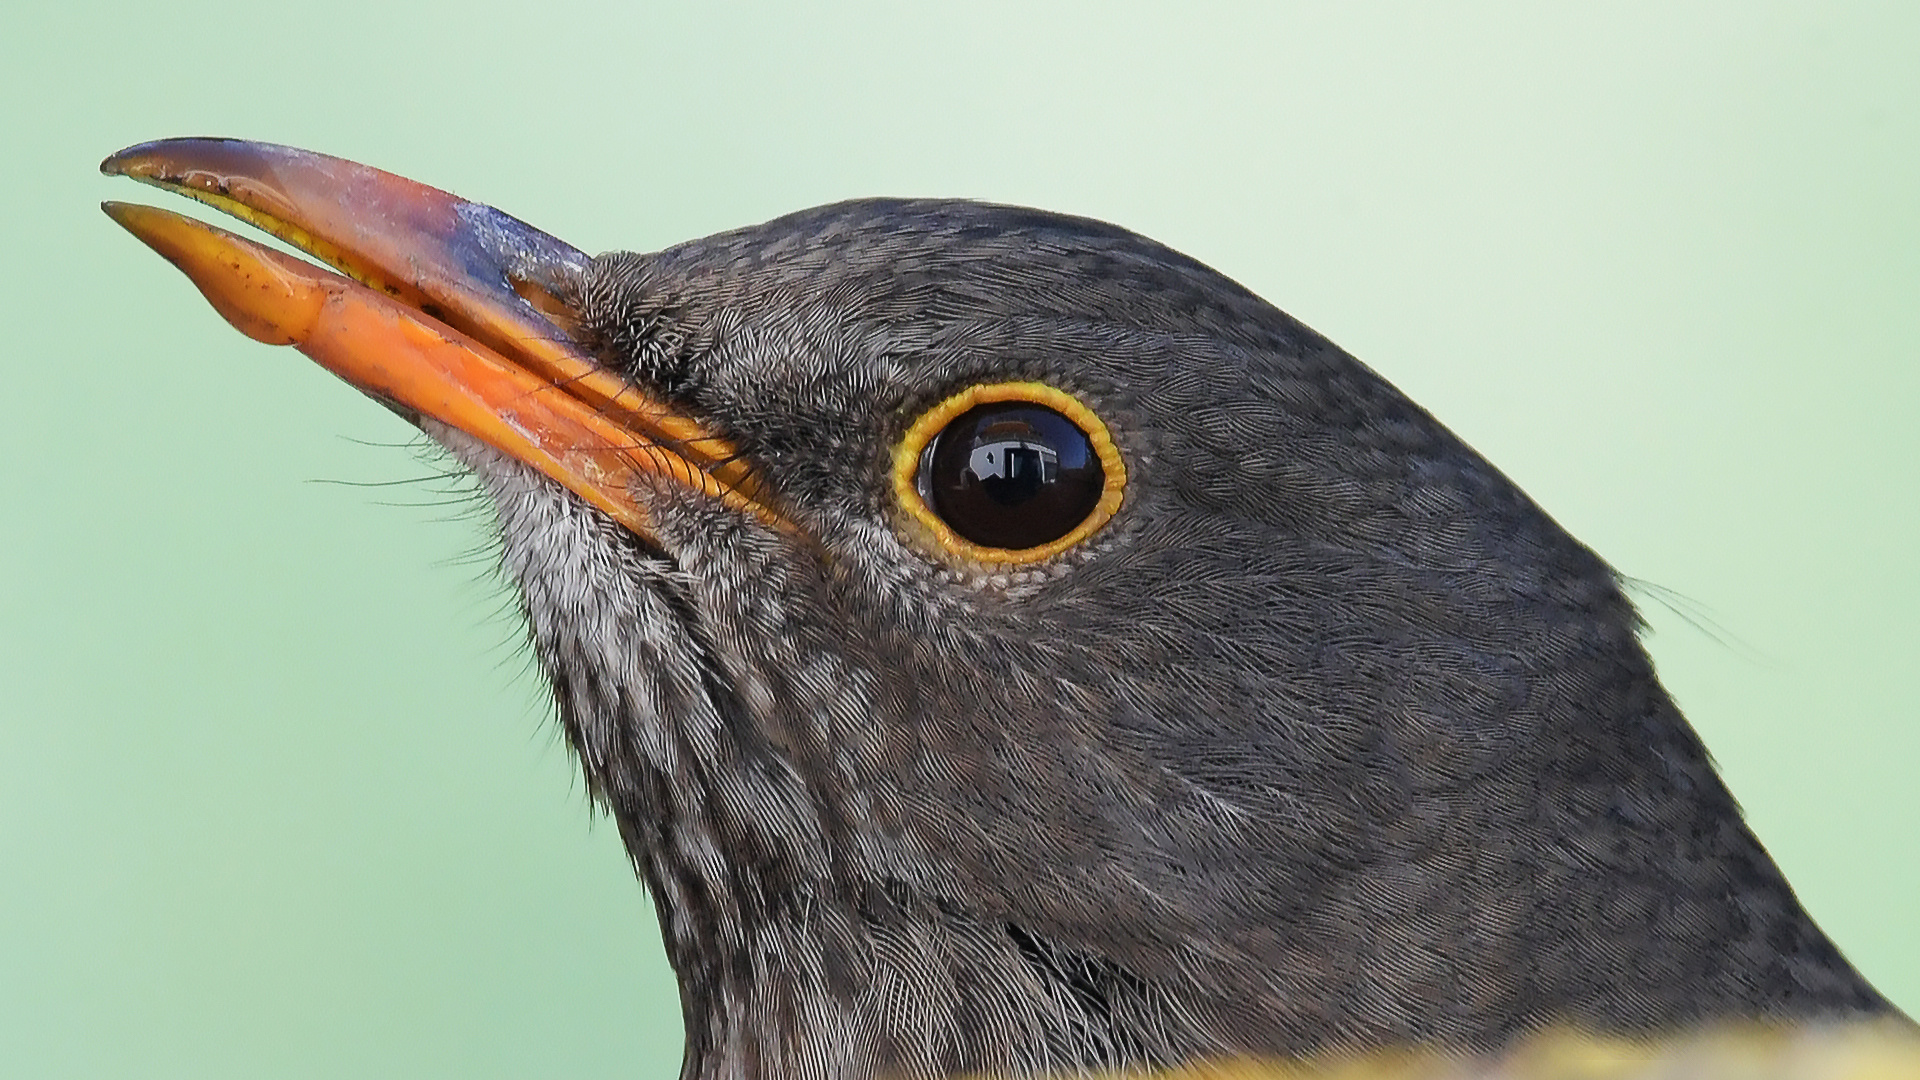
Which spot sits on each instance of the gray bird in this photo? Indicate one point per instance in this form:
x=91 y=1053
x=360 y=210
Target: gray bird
x=1007 y=645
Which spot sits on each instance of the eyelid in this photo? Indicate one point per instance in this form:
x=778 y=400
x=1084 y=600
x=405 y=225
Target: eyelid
x=926 y=527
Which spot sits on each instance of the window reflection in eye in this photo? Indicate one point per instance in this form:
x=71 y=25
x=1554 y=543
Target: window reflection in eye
x=1011 y=475
x=1014 y=469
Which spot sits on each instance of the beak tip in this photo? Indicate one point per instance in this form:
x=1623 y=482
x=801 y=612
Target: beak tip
x=156 y=228
x=126 y=215
x=168 y=159
x=135 y=160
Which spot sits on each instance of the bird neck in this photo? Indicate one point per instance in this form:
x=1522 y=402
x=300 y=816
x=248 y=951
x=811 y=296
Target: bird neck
x=1607 y=906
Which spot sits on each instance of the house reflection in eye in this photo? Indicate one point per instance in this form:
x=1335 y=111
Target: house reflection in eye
x=1012 y=463
x=1012 y=475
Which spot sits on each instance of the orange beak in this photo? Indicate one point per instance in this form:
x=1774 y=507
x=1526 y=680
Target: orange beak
x=449 y=309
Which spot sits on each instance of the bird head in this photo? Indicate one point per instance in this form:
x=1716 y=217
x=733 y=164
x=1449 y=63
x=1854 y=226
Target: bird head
x=1007 y=644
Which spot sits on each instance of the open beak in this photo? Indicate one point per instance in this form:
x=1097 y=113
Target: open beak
x=448 y=309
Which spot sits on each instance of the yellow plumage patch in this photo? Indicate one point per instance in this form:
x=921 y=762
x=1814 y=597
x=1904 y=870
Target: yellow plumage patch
x=1889 y=1051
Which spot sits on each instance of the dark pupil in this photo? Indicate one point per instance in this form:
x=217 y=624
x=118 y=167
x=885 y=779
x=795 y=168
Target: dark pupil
x=1011 y=475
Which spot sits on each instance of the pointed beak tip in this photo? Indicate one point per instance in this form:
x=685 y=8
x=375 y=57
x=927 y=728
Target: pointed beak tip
x=169 y=234
x=115 y=164
x=138 y=161
x=133 y=217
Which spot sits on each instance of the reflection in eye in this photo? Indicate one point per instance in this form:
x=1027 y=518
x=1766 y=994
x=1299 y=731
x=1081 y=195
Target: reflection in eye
x=1011 y=475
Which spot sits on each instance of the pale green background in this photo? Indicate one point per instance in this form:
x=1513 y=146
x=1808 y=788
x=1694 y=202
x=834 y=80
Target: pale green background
x=278 y=797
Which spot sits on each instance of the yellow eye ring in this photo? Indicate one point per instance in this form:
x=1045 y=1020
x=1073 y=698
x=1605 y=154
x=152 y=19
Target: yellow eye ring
x=916 y=448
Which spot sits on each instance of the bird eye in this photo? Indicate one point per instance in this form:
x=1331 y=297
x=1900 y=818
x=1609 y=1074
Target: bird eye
x=1009 y=473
